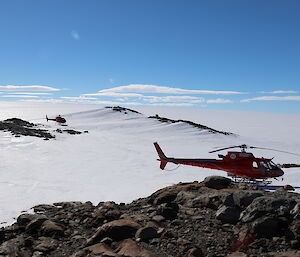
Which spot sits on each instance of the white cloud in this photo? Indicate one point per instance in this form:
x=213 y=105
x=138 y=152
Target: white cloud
x=27 y=88
x=42 y=100
x=75 y=35
x=272 y=98
x=77 y=98
x=28 y=93
x=281 y=92
x=142 y=88
x=19 y=96
x=172 y=99
x=172 y=104
x=218 y=101
x=113 y=94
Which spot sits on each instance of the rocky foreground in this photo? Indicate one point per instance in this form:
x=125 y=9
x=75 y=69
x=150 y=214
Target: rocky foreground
x=211 y=218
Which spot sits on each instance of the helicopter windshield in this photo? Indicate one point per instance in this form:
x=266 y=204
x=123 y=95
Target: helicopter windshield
x=268 y=165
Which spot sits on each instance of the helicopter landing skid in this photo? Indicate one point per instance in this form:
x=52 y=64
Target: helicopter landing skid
x=250 y=181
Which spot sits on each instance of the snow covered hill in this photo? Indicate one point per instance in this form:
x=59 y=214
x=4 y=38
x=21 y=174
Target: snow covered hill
x=116 y=160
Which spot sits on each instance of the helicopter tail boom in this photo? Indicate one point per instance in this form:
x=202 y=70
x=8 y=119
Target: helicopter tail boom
x=162 y=158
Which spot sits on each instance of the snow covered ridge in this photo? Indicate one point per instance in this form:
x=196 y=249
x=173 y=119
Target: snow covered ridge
x=162 y=119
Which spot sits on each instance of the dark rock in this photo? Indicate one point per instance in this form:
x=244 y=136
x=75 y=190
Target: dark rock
x=242 y=199
x=25 y=218
x=228 y=214
x=45 y=244
x=209 y=200
x=165 y=197
x=168 y=210
x=217 y=182
x=266 y=227
x=266 y=204
x=146 y=233
x=34 y=225
x=195 y=252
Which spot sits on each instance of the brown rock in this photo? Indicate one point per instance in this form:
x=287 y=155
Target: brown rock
x=130 y=248
x=117 y=230
x=97 y=249
x=50 y=228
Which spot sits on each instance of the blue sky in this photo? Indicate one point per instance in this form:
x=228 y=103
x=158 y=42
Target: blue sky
x=214 y=54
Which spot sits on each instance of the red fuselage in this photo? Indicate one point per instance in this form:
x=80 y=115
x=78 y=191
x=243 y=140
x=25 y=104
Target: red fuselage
x=237 y=163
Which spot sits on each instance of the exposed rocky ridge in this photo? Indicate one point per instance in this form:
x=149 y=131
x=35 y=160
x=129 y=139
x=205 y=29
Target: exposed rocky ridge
x=196 y=125
x=211 y=218
x=121 y=109
x=19 y=127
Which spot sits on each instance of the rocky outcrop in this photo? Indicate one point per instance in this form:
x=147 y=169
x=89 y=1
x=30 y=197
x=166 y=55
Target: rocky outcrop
x=19 y=127
x=212 y=218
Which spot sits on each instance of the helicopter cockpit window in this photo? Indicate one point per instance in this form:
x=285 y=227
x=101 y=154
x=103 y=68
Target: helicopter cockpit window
x=264 y=165
x=255 y=165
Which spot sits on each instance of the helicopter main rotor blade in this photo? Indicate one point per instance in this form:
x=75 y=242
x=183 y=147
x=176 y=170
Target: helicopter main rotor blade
x=221 y=149
x=255 y=147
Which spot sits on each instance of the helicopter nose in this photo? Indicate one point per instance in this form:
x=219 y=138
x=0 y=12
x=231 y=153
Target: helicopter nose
x=280 y=172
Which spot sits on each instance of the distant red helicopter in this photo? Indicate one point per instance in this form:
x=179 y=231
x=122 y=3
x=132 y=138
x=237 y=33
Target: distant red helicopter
x=58 y=119
x=238 y=164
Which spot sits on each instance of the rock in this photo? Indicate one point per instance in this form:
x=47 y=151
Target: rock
x=228 y=214
x=117 y=230
x=296 y=210
x=195 y=252
x=209 y=200
x=217 y=182
x=266 y=227
x=41 y=208
x=45 y=244
x=237 y=254
x=242 y=199
x=34 y=225
x=146 y=233
x=50 y=228
x=158 y=218
x=99 y=249
x=129 y=248
x=165 y=197
x=168 y=210
x=266 y=204
x=25 y=218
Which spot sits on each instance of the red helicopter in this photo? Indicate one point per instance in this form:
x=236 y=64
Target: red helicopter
x=237 y=164
x=58 y=119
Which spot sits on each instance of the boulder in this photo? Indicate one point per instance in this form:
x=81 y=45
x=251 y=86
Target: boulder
x=146 y=233
x=99 y=249
x=266 y=227
x=34 y=225
x=242 y=199
x=217 y=182
x=228 y=214
x=168 y=210
x=195 y=252
x=50 y=228
x=267 y=204
x=130 y=248
x=117 y=230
